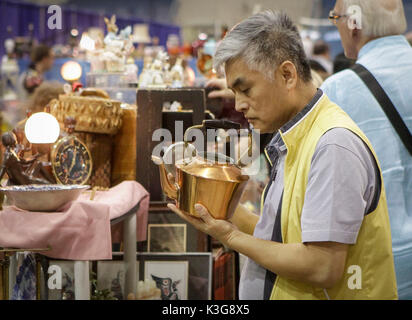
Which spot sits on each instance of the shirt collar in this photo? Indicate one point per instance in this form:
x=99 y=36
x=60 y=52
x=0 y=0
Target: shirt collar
x=379 y=43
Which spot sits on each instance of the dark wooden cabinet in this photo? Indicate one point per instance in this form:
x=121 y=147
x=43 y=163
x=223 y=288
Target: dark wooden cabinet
x=151 y=117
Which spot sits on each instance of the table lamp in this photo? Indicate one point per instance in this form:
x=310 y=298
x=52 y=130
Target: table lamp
x=42 y=130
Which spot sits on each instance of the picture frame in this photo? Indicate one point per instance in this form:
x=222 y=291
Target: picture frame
x=167 y=237
x=171 y=277
x=200 y=266
x=67 y=292
x=159 y=213
x=111 y=277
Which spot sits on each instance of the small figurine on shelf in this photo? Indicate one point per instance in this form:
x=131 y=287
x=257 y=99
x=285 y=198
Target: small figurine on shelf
x=157 y=74
x=111 y=27
x=117 y=46
x=19 y=170
x=177 y=74
x=131 y=71
x=145 y=77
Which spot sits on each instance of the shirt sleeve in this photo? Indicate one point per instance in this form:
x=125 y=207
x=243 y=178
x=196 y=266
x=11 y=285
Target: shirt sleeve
x=341 y=187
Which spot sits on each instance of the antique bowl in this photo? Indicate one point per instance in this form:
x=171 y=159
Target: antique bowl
x=41 y=197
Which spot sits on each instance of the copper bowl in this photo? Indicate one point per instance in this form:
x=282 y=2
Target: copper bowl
x=40 y=197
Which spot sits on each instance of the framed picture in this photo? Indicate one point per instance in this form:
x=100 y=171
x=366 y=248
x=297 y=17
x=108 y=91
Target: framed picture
x=111 y=276
x=196 y=241
x=171 y=278
x=167 y=237
x=199 y=266
x=68 y=282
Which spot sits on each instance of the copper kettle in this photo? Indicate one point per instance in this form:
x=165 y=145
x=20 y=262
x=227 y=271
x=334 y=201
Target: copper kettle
x=211 y=179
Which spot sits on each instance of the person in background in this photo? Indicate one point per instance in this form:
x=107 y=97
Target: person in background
x=43 y=94
x=324 y=209
x=341 y=63
x=42 y=60
x=321 y=54
x=319 y=69
x=380 y=46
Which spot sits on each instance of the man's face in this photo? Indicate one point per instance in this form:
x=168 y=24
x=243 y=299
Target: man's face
x=262 y=101
x=345 y=32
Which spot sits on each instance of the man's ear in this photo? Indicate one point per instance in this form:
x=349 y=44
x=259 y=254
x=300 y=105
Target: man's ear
x=288 y=74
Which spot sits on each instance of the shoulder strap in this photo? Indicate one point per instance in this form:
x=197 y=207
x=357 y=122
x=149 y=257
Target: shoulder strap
x=386 y=104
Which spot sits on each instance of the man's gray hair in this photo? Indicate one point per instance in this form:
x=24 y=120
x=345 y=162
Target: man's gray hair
x=264 y=41
x=380 y=18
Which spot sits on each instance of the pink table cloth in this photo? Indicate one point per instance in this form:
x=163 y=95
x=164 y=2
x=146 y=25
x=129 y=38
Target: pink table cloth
x=81 y=229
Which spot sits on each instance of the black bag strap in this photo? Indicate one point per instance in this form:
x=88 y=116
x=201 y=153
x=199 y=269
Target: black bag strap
x=386 y=104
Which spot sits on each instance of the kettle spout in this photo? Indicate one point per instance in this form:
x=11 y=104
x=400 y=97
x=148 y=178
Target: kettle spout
x=168 y=188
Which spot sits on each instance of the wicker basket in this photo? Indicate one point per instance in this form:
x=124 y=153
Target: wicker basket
x=92 y=114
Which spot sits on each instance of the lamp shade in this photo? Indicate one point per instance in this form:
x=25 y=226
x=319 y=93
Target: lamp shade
x=71 y=71
x=42 y=127
x=86 y=42
x=141 y=33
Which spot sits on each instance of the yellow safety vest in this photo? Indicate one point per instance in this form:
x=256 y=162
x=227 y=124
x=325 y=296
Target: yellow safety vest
x=372 y=253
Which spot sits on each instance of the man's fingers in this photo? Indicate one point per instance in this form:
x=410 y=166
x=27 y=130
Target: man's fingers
x=218 y=83
x=224 y=94
x=203 y=213
x=183 y=215
x=216 y=94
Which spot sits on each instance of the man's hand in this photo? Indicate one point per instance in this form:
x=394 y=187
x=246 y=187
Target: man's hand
x=221 y=230
x=222 y=92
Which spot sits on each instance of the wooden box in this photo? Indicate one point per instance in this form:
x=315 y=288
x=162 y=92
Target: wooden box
x=149 y=118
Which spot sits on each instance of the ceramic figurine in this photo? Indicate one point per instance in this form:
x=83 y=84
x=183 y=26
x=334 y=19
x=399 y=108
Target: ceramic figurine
x=131 y=71
x=19 y=170
x=177 y=74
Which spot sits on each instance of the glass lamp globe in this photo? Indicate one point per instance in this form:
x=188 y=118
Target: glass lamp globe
x=42 y=127
x=71 y=71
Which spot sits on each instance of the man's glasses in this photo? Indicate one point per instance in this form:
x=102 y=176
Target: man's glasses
x=333 y=17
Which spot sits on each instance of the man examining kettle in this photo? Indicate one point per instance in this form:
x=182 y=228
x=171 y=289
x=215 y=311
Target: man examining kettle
x=324 y=217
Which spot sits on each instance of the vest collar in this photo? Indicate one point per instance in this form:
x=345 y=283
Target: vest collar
x=277 y=144
x=302 y=114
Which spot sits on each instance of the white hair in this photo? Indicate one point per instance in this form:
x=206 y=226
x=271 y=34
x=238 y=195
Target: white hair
x=380 y=18
x=264 y=41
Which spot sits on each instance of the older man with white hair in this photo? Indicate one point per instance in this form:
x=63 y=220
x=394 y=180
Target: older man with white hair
x=324 y=229
x=371 y=32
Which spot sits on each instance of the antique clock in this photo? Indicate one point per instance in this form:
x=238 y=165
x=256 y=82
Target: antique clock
x=70 y=158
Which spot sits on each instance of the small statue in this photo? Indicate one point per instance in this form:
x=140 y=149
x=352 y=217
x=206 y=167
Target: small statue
x=177 y=74
x=19 y=170
x=131 y=71
x=111 y=24
x=21 y=146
